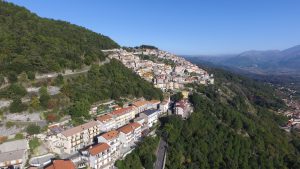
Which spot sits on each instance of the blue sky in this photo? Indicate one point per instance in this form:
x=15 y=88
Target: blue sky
x=183 y=26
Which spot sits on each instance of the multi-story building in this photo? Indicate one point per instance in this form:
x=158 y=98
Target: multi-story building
x=106 y=122
x=183 y=108
x=151 y=116
x=99 y=156
x=13 y=154
x=154 y=104
x=74 y=139
x=141 y=106
x=112 y=139
x=164 y=105
x=130 y=133
x=116 y=119
x=123 y=116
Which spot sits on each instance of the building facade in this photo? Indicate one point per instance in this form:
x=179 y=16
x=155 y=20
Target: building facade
x=130 y=133
x=74 y=139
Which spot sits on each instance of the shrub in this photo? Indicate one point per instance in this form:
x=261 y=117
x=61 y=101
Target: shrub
x=19 y=136
x=33 y=129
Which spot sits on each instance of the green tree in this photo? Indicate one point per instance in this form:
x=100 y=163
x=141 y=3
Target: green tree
x=80 y=109
x=176 y=97
x=2 y=81
x=59 y=80
x=34 y=143
x=23 y=77
x=12 y=77
x=31 y=75
x=9 y=124
x=16 y=90
x=237 y=123
x=44 y=97
x=35 y=103
x=19 y=136
x=33 y=44
x=33 y=129
x=17 y=106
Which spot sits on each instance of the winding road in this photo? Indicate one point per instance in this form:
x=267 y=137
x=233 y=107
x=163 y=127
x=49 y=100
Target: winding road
x=161 y=155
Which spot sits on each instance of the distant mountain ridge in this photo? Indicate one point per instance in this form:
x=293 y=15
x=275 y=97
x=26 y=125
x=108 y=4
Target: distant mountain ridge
x=263 y=62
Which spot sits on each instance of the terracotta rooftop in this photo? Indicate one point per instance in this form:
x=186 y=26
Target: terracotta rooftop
x=78 y=129
x=94 y=150
x=121 y=111
x=129 y=127
x=154 y=101
x=104 y=118
x=140 y=103
x=135 y=125
x=182 y=103
x=110 y=135
x=61 y=164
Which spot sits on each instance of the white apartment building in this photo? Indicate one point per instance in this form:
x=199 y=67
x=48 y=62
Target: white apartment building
x=123 y=116
x=99 y=156
x=74 y=139
x=151 y=116
x=141 y=106
x=112 y=139
x=106 y=122
x=116 y=119
x=130 y=133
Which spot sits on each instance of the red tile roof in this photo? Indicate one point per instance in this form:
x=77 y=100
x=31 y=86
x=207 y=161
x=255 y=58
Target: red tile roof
x=104 y=118
x=140 y=103
x=110 y=135
x=154 y=101
x=121 y=111
x=61 y=164
x=129 y=127
x=94 y=150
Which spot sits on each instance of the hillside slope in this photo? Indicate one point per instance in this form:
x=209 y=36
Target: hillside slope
x=29 y=43
x=234 y=125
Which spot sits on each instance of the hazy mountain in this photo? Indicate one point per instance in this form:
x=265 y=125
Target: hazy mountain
x=262 y=62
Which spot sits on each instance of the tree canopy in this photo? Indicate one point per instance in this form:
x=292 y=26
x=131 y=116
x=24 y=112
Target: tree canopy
x=233 y=126
x=30 y=43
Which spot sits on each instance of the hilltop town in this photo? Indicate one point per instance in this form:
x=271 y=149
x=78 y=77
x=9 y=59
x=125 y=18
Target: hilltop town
x=73 y=98
x=115 y=130
x=165 y=70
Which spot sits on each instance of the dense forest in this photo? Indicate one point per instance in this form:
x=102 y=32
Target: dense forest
x=32 y=44
x=234 y=125
x=110 y=81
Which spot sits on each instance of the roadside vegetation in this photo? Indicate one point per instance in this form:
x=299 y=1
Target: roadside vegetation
x=142 y=157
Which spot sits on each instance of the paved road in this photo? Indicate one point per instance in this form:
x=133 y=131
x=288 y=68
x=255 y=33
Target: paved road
x=160 y=155
x=69 y=73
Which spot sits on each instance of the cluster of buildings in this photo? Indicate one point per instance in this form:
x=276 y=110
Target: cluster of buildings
x=165 y=70
x=293 y=114
x=114 y=133
x=14 y=154
x=100 y=142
